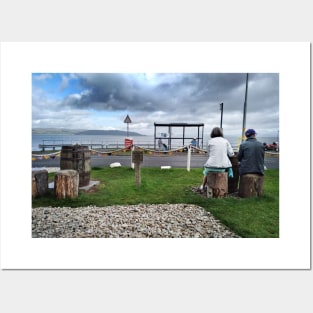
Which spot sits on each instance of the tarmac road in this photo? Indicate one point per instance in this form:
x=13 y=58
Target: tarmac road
x=175 y=161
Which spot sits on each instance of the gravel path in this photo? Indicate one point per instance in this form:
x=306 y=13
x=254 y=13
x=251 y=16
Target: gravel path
x=134 y=221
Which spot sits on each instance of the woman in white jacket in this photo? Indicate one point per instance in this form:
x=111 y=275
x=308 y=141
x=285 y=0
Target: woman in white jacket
x=219 y=149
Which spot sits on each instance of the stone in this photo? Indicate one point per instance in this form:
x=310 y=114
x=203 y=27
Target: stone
x=133 y=221
x=115 y=164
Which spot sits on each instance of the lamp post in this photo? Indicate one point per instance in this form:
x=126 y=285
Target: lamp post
x=221 y=108
x=245 y=110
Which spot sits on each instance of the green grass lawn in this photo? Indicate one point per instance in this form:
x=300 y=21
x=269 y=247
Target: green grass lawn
x=248 y=217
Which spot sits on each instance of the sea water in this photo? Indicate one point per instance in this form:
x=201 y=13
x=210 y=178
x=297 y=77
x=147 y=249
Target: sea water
x=118 y=141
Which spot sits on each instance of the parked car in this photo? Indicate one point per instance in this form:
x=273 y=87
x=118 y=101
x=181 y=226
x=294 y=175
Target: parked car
x=271 y=146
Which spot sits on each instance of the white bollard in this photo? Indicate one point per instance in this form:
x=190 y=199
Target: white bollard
x=132 y=165
x=188 y=158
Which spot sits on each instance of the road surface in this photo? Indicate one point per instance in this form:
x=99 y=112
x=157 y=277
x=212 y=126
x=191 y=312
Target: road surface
x=175 y=161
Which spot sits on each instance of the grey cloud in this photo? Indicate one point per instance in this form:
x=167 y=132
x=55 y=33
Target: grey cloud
x=128 y=92
x=180 y=97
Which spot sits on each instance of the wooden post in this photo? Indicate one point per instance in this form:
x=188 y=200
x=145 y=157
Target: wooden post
x=217 y=184
x=251 y=185
x=39 y=183
x=137 y=158
x=34 y=186
x=137 y=174
x=66 y=184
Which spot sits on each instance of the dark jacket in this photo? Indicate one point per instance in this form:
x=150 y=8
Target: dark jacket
x=251 y=157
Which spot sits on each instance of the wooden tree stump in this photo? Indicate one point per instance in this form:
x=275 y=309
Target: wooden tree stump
x=66 y=183
x=251 y=185
x=233 y=181
x=217 y=184
x=39 y=183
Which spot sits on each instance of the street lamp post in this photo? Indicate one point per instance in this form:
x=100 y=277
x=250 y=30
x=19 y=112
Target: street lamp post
x=245 y=110
x=221 y=108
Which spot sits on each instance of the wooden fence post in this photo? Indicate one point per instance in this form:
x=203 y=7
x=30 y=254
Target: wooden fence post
x=137 y=158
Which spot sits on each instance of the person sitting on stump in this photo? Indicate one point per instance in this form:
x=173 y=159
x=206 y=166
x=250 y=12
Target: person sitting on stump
x=251 y=155
x=219 y=149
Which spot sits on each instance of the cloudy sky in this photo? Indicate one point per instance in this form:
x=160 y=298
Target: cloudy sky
x=102 y=101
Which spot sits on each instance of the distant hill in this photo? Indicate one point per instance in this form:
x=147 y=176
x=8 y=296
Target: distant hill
x=55 y=131
x=108 y=133
x=64 y=131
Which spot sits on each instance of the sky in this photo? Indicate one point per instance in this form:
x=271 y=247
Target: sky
x=103 y=100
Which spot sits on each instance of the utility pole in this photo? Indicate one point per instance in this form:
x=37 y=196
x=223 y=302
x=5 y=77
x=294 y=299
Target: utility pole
x=221 y=108
x=244 y=111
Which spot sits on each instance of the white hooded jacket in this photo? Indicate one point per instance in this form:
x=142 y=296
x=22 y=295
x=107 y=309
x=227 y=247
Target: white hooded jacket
x=219 y=149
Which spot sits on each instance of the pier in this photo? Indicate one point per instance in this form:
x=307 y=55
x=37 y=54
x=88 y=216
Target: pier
x=53 y=144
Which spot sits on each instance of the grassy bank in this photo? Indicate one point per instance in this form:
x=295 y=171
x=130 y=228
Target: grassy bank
x=254 y=217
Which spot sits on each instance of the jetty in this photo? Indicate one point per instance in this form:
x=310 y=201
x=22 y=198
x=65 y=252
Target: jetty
x=57 y=144
x=53 y=144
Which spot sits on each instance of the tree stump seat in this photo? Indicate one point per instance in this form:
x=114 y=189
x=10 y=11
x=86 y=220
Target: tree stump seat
x=66 y=183
x=233 y=181
x=39 y=183
x=217 y=184
x=251 y=185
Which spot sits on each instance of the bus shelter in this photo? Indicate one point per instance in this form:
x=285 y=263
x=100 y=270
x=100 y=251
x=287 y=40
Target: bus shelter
x=168 y=136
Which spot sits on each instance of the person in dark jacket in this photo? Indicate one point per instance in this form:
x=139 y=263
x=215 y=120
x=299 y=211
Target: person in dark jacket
x=251 y=155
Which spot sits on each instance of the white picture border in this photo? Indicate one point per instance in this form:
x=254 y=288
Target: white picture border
x=20 y=251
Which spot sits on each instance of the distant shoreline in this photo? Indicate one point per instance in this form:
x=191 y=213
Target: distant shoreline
x=61 y=131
